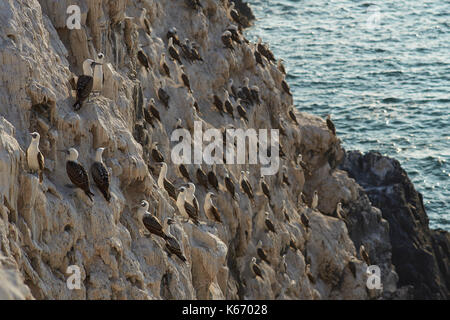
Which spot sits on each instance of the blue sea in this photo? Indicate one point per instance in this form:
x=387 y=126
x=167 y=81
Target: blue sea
x=382 y=69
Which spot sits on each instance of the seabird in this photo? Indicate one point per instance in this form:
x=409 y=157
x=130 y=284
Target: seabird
x=212 y=179
x=145 y=24
x=185 y=79
x=245 y=185
x=35 y=158
x=100 y=174
x=173 y=52
x=143 y=59
x=285 y=87
x=231 y=88
x=184 y=172
x=265 y=51
x=172 y=34
x=162 y=94
x=364 y=255
x=202 y=177
x=339 y=211
x=227 y=40
x=228 y=105
x=293 y=116
x=149 y=221
x=234 y=33
x=330 y=125
x=254 y=90
x=165 y=184
x=156 y=154
x=191 y=210
x=265 y=188
x=315 y=200
x=281 y=66
x=163 y=65
x=285 y=177
x=186 y=50
x=76 y=173
x=193 y=50
x=234 y=14
x=259 y=58
x=230 y=185
x=210 y=208
x=194 y=4
x=173 y=246
x=244 y=91
x=98 y=73
x=218 y=104
x=261 y=253
x=153 y=111
x=305 y=221
x=269 y=223
x=190 y=197
x=301 y=163
x=85 y=83
x=254 y=267
x=180 y=203
x=241 y=110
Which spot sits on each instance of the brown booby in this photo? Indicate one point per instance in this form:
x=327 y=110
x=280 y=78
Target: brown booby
x=173 y=246
x=268 y=223
x=212 y=178
x=293 y=116
x=162 y=94
x=143 y=59
x=145 y=24
x=100 y=174
x=315 y=200
x=156 y=154
x=255 y=268
x=149 y=221
x=173 y=52
x=261 y=252
x=364 y=255
x=285 y=87
x=229 y=184
x=210 y=209
x=265 y=188
x=259 y=58
x=202 y=178
x=165 y=184
x=85 y=83
x=218 y=104
x=227 y=40
x=245 y=185
x=35 y=159
x=184 y=78
x=184 y=172
x=227 y=103
x=163 y=65
x=76 y=172
x=172 y=34
x=241 y=111
x=330 y=125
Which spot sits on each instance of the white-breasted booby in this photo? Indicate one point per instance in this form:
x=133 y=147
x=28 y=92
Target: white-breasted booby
x=190 y=196
x=76 y=172
x=234 y=14
x=254 y=90
x=245 y=185
x=234 y=33
x=269 y=223
x=191 y=210
x=261 y=252
x=330 y=125
x=180 y=203
x=364 y=255
x=244 y=91
x=165 y=184
x=227 y=40
x=100 y=174
x=173 y=52
x=315 y=200
x=210 y=209
x=309 y=273
x=149 y=221
x=265 y=51
x=98 y=74
x=145 y=24
x=281 y=66
x=255 y=268
x=202 y=178
x=85 y=83
x=156 y=154
x=35 y=159
x=186 y=50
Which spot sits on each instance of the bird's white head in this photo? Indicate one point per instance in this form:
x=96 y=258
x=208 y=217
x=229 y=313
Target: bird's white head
x=259 y=244
x=246 y=81
x=98 y=154
x=191 y=187
x=100 y=57
x=339 y=206
x=152 y=101
x=35 y=137
x=144 y=205
x=266 y=214
x=73 y=154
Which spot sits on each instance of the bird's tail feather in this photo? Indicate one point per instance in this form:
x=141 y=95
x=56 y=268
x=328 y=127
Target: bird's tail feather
x=41 y=176
x=77 y=105
x=89 y=194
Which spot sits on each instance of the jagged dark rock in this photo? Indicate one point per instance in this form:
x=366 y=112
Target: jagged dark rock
x=420 y=255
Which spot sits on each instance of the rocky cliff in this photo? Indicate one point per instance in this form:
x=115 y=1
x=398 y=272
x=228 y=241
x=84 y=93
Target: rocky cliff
x=45 y=228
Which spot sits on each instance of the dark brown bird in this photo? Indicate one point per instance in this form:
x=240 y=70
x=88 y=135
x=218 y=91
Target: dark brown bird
x=163 y=96
x=364 y=255
x=174 y=247
x=246 y=187
x=163 y=65
x=259 y=59
x=255 y=268
x=261 y=253
x=285 y=87
x=154 y=112
x=230 y=186
x=234 y=14
x=212 y=179
x=305 y=221
x=184 y=172
x=228 y=106
x=218 y=104
x=202 y=178
x=265 y=188
x=100 y=174
x=150 y=222
x=210 y=209
x=173 y=52
x=172 y=33
x=185 y=79
x=265 y=51
x=143 y=59
x=241 y=110
x=193 y=4
x=293 y=116
x=165 y=184
x=76 y=173
x=227 y=40
x=156 y=154
x=269 y=224
x=234 y=33
x=330 y=125
x=85 y=83
x=192 y=212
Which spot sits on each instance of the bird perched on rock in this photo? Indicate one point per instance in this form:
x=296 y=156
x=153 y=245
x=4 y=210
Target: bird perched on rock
x=364 y=255
x=193 y=4
x=339 y=211
x=230 y=185
x=173 y=247
x=76 y=172
x=173 y=33
x=85 y=83
x=261 y=253
x=100 y=174
x=255 y=268
x=227 y=40
x=285 y=87
x=190 y=197
x=265 y=51
x=305 y=221
x=234 y=14
x=212 y=178
x=281 y=66
x=315 y=200
x=234 y=33
x=149 y=221
x=165 y=184
x=184 y=172
x=156 y=154
x=259 y=58
x=163 y=65
x=162 y=94
x=202 y=178
x=265 y=188
x=98 y=73
x=181 y=199
x=145 y=24
x=210 y=209
x=218 y=104
x=228 y=106
x=241 y=111
x=35 y=159
x=293 y=116
x=143 y=59
x=173 y=52
x=245 y=185
x=330 y=125
x=184 y=78
x=269 y=223
x=191 y=210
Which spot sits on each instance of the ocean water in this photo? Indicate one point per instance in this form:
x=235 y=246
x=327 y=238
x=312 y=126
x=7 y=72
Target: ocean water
x=382 y=69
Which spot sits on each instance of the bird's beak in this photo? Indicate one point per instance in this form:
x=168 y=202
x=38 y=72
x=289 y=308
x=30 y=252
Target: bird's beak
x=65 y=151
